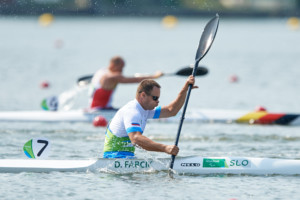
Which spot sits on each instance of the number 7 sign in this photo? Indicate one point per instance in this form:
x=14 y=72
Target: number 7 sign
x=37 y=148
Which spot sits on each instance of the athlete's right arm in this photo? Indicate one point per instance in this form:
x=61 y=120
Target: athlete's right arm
x=139 y=140
x=173 y=108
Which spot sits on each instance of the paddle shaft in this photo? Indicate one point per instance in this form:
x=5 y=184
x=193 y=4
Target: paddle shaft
x=183 y=114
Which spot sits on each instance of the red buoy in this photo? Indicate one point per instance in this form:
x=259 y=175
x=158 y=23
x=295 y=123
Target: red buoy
x=234 y=79
x=58 y=44
x=44 y=84
x=99 y=121
x=260 y=108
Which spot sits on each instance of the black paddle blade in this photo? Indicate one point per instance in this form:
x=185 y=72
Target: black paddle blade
x=188 y=71
x=207 y=37
x=85 y=80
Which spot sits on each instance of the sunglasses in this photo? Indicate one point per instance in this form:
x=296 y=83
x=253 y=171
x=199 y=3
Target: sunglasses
x=155 y=98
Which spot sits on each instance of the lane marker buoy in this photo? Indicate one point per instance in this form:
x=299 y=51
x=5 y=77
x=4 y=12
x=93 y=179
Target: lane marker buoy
x=233 y=79
x=46 y=19
x=260 y=108
x=44 y=84
x=99 y=121
x=169 y=21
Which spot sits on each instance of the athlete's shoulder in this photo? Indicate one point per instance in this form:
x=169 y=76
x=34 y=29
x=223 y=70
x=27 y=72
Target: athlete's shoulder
x=100 y=72
x=131 y=108
x=97 y=76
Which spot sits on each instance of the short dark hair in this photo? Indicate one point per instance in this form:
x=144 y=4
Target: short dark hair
x=147 y=86
x=117 y=60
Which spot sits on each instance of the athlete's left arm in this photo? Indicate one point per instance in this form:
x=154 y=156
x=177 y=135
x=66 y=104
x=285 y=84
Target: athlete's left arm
x=139 y=140
x=173 y=108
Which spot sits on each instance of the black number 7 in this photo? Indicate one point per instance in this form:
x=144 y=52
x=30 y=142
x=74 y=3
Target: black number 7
x=44 y=147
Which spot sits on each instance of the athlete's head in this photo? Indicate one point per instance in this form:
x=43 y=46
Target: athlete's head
x=148 y=93
x=116 y=64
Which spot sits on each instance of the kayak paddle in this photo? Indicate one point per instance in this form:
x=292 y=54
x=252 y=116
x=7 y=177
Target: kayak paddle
x=205 y=43
x=185 y=71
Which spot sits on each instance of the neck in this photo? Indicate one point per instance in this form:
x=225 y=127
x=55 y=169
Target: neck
x=115 y=71
x=139 y=100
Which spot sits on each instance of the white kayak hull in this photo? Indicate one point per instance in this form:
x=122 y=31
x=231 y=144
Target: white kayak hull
x=183 y=165
x=193 y=115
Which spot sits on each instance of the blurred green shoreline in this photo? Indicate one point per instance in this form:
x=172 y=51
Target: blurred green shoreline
x=139 y=8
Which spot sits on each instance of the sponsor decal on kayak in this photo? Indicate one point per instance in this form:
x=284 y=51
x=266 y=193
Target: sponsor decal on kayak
x=214 y=163
x=190 y=164
x=133 y=164
x=221 y=163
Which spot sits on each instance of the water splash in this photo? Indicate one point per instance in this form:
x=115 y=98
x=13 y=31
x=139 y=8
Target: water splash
x=67 y=99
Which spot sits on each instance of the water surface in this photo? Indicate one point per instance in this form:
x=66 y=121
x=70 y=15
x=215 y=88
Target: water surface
x=263 y=53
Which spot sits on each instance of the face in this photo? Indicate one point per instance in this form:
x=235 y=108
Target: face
x=116 y=67
x=151 y=101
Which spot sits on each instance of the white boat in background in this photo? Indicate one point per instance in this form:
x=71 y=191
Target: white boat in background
x=54 y=116
x=183 y=165
x=192 y=115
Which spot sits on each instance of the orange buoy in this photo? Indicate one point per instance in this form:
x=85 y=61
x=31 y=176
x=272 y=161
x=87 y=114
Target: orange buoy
x=169 y=21
x=46 y=19
x=293 y=23
x=99 y=121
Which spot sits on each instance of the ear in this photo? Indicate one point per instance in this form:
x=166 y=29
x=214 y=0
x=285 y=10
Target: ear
x=143 y=94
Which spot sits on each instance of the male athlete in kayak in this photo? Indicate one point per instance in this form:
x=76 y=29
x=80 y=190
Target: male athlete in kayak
x=125 y=130
x=105 y=81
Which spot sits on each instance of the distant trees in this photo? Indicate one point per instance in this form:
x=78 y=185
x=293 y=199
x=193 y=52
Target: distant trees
x=151 y=7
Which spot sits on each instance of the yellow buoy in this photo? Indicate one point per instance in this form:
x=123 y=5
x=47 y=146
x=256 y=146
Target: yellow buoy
x=46 y=19
x=293 y=23
x=169 y=21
